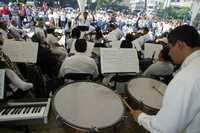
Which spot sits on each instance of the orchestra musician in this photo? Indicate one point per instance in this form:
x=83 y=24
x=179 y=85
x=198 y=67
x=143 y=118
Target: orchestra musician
x=162 y=67
x=14 y=81
x=83 y=21
x=180 y=111
x=79 y=63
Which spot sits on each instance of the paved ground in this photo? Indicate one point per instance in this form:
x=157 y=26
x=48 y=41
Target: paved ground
x=53 y=126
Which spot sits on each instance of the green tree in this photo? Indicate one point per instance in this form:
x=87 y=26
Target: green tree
x=173 y=12
x=104 y=3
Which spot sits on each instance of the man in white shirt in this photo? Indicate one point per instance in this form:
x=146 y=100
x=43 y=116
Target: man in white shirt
x=79 y=63
x=114 y=33
x=180 y=111
x=83 y=21
x=162 y=67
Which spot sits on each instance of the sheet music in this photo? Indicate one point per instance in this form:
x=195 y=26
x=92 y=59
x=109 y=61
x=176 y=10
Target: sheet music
x=2 y=80
x=150 y=49
x=115 y=60
x=115 y=44
x=19 y=51
x=30 y=34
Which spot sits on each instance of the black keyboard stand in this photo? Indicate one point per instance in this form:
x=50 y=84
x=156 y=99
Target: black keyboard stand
x=21 y=128
x=27 y=129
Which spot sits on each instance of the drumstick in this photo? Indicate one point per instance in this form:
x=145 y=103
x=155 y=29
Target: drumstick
x=161 y=93
x=126 y=104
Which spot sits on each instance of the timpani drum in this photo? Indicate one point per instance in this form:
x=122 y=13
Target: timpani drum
x=146 y=94
x=87 y=105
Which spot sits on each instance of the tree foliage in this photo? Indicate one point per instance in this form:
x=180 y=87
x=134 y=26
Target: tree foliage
x=173 y=12
x=106 y=3
x=102 y=3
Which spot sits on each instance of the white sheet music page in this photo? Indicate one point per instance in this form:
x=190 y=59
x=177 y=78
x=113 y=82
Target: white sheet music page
x=21 y=51
x=151 y=49
x=2 y=80
x=115 y=60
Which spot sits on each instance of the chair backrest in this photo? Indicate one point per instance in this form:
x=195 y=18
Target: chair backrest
x=78 y=76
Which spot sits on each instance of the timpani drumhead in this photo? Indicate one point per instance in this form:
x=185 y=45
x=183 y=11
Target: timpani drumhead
x=85 y=105
x=148 y=91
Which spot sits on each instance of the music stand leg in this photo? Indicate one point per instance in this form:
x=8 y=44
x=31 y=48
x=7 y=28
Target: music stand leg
x=115 y=82
x=26 y=129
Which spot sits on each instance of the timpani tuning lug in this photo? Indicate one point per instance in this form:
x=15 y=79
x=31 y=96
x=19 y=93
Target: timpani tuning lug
x=93 y=130
x=141 y=105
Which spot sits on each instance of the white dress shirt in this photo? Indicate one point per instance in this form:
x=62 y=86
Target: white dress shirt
x=114 y=35
x=159 y=68
x=79 y=63
x=180 y=111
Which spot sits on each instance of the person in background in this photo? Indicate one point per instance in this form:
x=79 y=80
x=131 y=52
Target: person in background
x=162 y=67
x=114 y=33
x=76 y=33
x=79 y=63
x=127 y=43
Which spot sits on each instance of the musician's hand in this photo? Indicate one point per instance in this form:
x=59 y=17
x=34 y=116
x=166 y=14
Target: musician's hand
x=135 y=114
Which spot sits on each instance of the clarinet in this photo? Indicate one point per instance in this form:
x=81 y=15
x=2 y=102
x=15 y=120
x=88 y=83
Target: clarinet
x=11 y=65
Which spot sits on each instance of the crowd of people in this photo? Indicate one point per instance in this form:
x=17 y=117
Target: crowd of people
x=69 y=42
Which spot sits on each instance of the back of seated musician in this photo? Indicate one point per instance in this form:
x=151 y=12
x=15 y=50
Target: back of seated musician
x=51 y=39
x=162 y=67
x=98 y=36
x=47 y=61
x=142 y=38
x=55 y=48
x=75 y=34
x=79 y=63
x=39 y=31
x=127 y=43
x=14 y=31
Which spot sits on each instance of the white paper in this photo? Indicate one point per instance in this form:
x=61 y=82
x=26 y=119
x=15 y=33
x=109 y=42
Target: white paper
x=82 y=4
x=20 y=51
x=115 y=44
x=119 y=60
x=2 y=80
x=151 y=49
x=30 y=34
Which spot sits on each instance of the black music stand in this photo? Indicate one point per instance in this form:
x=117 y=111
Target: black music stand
x=164 y=78
x=83 y=28
x=78 y=76
x=121 y=79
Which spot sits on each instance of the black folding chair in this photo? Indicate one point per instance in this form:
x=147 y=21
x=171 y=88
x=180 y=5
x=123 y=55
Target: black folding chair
x=121 y=79
x=164 y=78
x=78 y=76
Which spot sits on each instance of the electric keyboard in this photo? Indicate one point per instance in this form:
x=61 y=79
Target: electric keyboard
x=14 y=112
